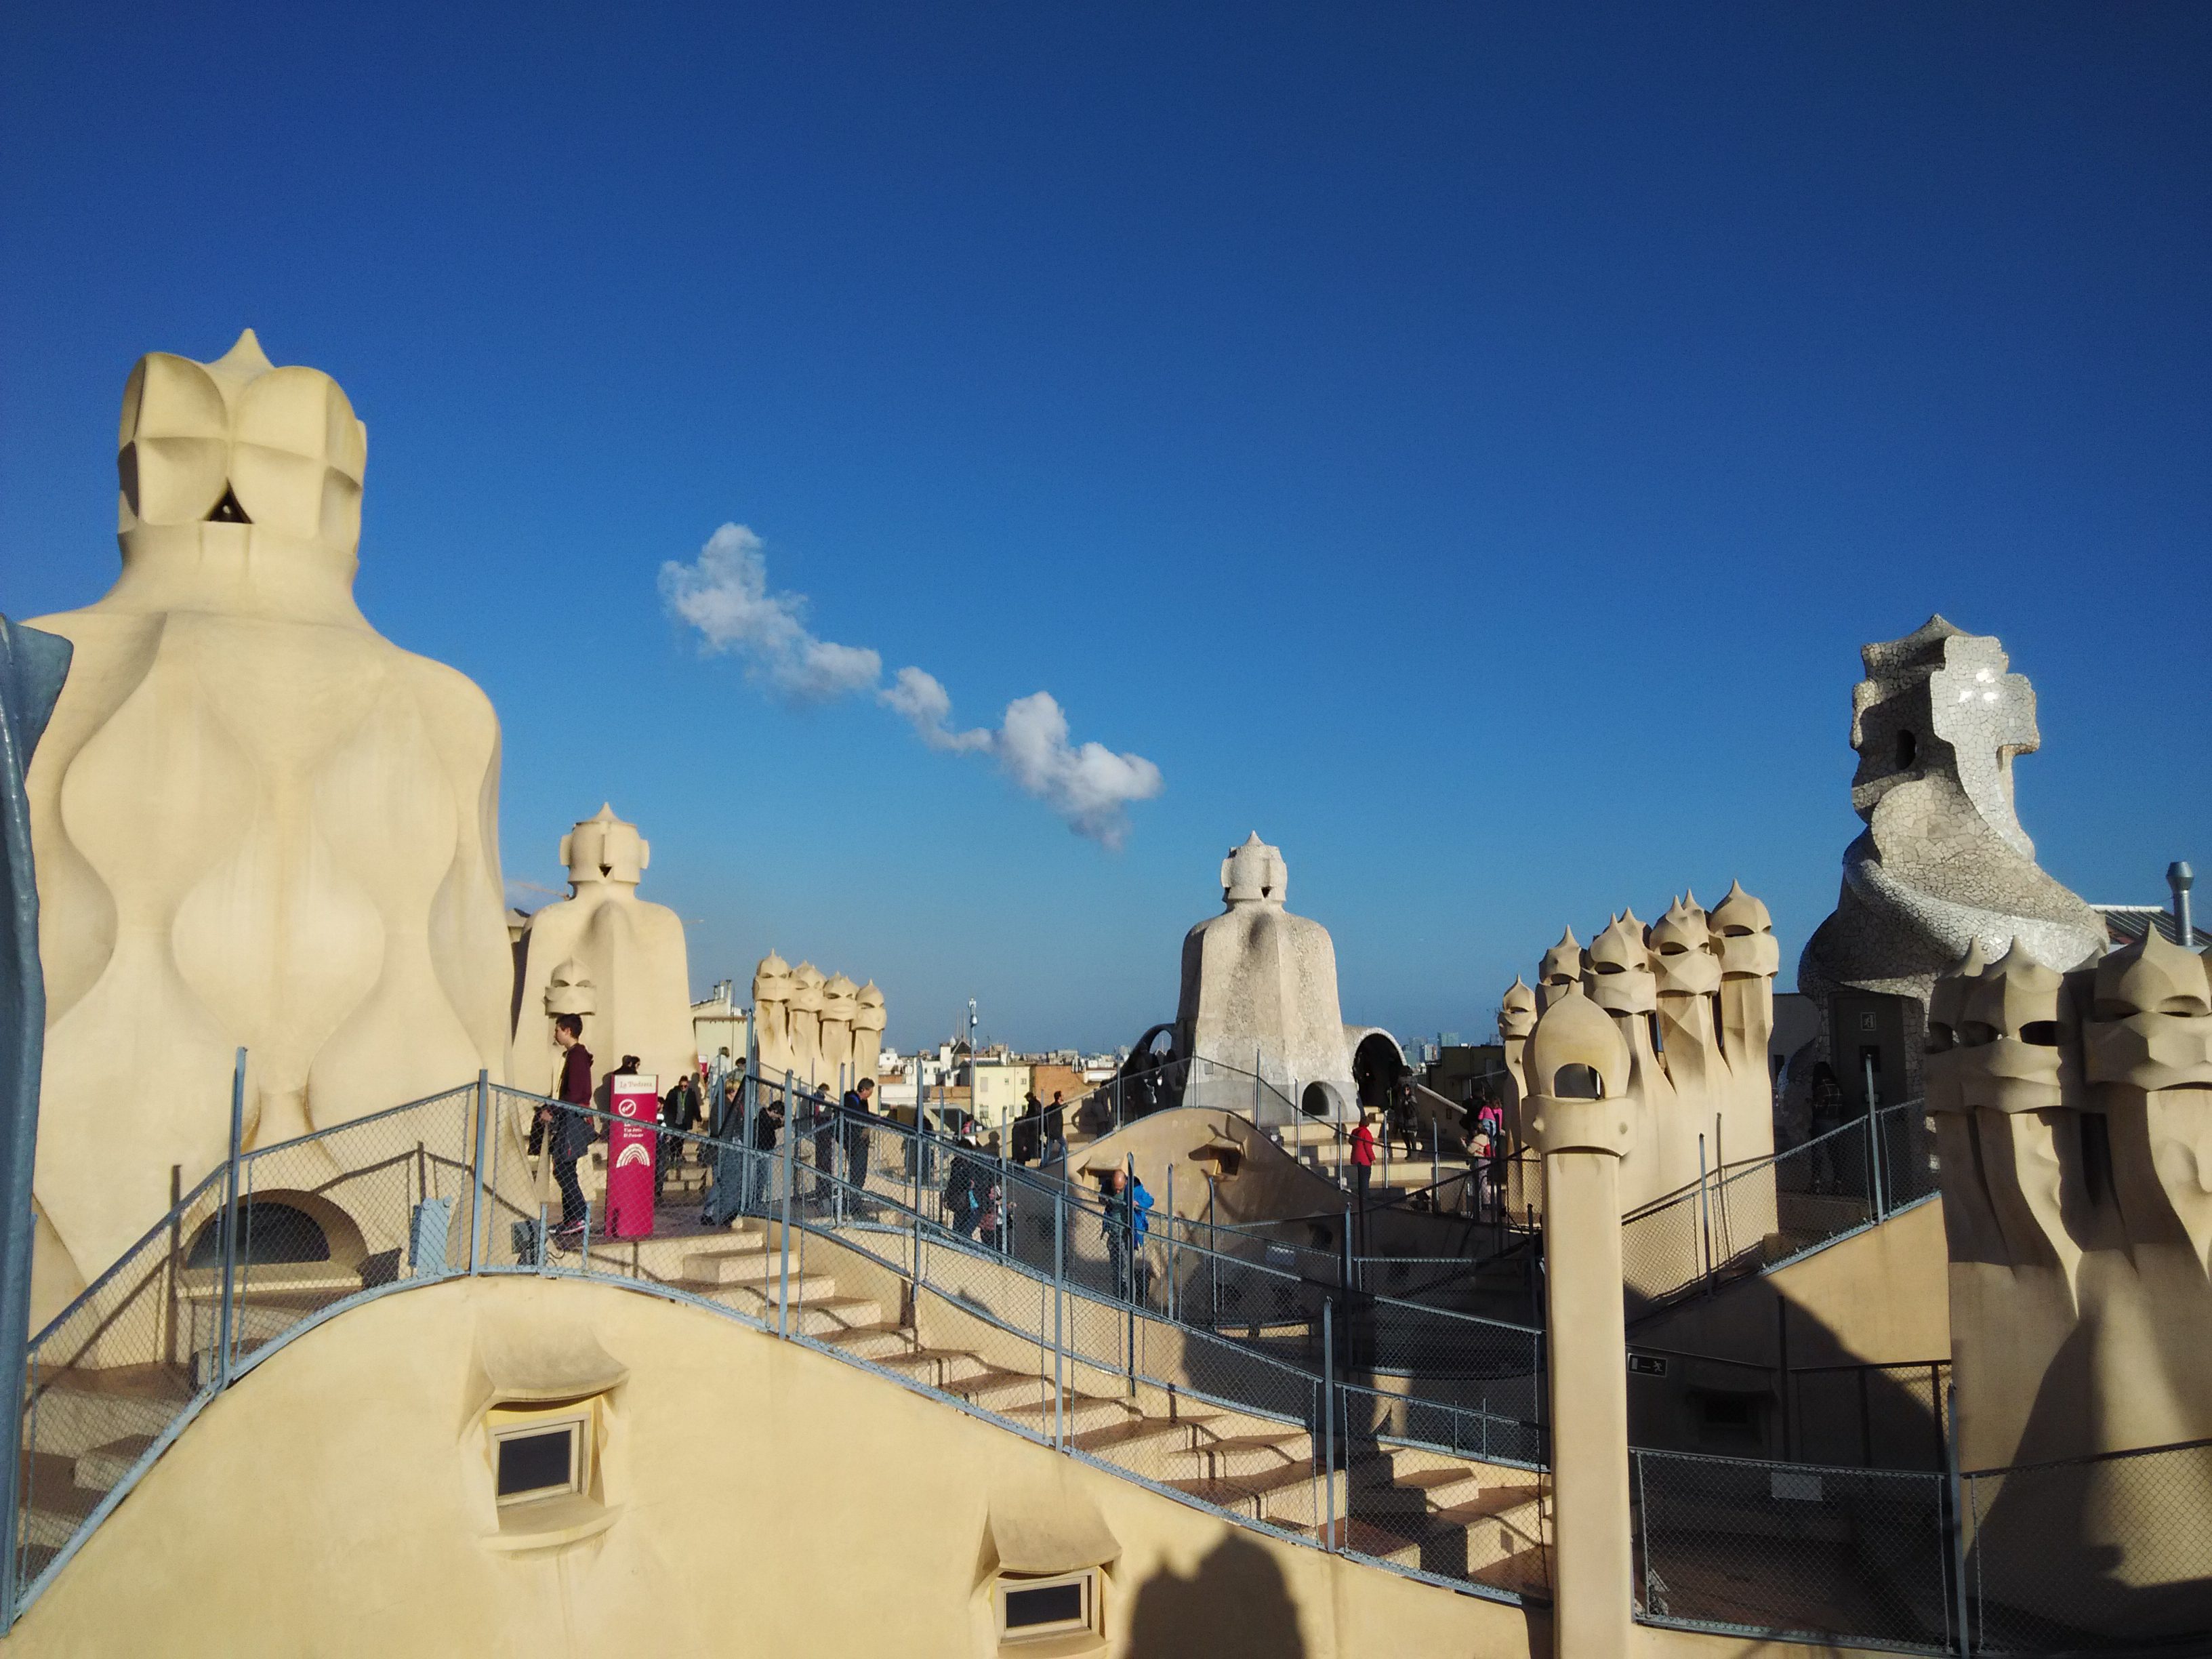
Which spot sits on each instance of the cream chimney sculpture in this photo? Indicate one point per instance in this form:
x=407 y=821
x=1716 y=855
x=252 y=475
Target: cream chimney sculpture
x=1582 y=1114
x=257 y=821
x=632 y=953
x=2074 y=1125
x=1692 y=998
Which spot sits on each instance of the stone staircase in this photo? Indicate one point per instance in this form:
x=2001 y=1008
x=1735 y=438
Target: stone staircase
x=90 y=1427
x=1458 y=1517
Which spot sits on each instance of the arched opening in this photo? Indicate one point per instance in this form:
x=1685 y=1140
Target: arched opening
x=1315 y=1101
x=268 y=1231
x=1908 y=749
x=1377 y=1070
x=1578 y=1083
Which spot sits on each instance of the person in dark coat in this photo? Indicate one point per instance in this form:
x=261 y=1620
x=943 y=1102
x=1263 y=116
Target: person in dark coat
x=1023 y=1142
x=821 y=1118
x=568 y=1126
x=858 y=1110
x=964 y=1194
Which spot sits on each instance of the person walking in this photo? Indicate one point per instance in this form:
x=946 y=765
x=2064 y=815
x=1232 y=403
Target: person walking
x=963 y=1185
x=568 y=1126
x=768 y=1122
x=1140 y=1227
x=860 y=1127
x=1114 y=1223
x=1828 y=1106
x=1363 y=1166
x=1024 y=1139
x=822 y=1119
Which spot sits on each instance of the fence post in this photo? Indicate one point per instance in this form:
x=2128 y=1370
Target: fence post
x=230 y=1222
x=1128 y=1286
x=1328 y=1422
x=921 y=1156
x=1172 y=1257
x=1874 y=1162
x=1955 y=1533
x=783 y=1241
x=1058 y=1328
x=476 y=1216
x=1704 y=1217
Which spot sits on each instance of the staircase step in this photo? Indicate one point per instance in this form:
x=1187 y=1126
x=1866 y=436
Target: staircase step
x=1242 y=1455
x=1288 y=1497
x=745 y=1259
x=936 y=1367
x=1131 y=1434
x=80 y=1410
x=103 y=1467
x=58 y=1506
x=889 y=1346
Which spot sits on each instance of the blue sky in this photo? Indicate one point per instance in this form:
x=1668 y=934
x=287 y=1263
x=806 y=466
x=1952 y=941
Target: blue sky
x=1466 y=445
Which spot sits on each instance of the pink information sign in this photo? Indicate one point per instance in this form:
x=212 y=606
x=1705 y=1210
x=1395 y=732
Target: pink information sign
x=636 y=1102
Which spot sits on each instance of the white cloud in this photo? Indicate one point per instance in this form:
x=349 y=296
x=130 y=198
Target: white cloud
x=1087 y=784
x=724 y=595
x=916 y=695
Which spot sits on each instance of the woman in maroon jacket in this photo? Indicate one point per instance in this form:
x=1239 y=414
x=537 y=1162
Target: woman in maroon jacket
x=571 y=1127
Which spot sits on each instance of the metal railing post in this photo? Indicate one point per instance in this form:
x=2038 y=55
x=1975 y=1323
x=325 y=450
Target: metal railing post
x=1128 y=1286
x=1874 y=1162
x=1704 y=1215
x=1173 y=1258
x=921 y=1152
x=790 y=1141
x=1328 y=1422
x=476 y=1217
x=228 y=1313
x=1059 y=1326
x=1955 y=1534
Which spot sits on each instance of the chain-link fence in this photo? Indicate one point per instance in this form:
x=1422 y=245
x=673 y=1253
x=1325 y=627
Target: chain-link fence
x=257 y=1251
x=1754 y=1217
x=1793 y=1550
x=2106 y=1554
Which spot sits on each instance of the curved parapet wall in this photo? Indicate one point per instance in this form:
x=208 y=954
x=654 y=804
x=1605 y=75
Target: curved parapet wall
x=1267 y=1185
x=283 y=1520
x=258 y=821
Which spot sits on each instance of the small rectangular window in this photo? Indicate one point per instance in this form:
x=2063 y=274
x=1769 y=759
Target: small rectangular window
x=539 y=1457
x=1032 y=1609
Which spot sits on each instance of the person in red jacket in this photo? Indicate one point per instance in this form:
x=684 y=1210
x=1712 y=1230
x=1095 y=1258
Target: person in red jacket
x=1363 y=1165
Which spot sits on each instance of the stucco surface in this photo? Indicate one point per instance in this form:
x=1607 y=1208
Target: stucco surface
x=257 y=821
x=770 y=1500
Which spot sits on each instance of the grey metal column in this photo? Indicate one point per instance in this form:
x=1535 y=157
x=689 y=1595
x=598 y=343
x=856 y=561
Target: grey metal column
x=1328 y=1421
x=1059 y=1324
x=790 y=1139
x=32 y=665
x=1957 y=1530
x=482 y=1160
x=230 y=1222
x=2180 y=879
